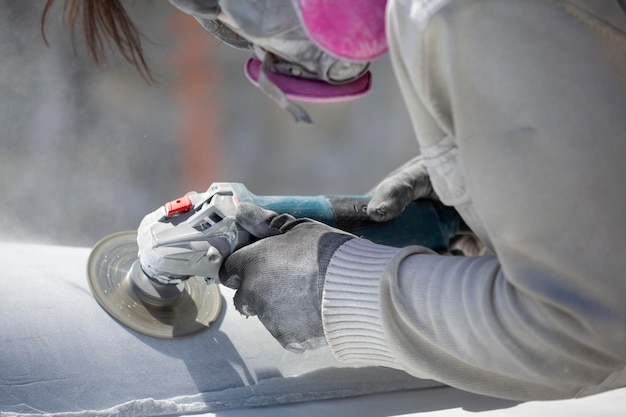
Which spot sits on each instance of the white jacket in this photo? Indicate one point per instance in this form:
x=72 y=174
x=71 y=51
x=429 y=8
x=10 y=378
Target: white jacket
x=519 y=107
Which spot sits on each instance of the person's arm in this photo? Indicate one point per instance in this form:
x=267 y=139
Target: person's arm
x=533 y=95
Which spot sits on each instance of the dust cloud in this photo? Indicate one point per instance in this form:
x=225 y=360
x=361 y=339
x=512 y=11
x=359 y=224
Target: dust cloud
x=86 y=151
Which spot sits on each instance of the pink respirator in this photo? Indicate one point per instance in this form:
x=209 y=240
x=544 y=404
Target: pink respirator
x=304 y=50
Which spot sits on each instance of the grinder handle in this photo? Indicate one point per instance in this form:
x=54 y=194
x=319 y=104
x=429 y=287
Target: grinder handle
x=426 y=223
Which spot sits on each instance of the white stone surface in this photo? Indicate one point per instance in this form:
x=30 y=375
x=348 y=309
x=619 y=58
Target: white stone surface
x=61 y=353
x=442 y=402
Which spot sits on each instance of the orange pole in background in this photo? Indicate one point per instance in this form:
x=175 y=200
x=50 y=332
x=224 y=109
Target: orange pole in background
x=195 y=91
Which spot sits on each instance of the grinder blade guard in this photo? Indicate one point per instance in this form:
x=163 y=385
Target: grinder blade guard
x=148 y=307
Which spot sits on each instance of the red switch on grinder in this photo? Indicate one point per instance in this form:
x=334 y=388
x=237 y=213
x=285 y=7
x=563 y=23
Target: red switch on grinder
x=180 y=205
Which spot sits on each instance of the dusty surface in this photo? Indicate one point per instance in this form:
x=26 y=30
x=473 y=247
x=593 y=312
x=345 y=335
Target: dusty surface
x=62 y=353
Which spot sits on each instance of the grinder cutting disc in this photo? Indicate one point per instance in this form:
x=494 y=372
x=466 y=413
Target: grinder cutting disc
x=128 y=295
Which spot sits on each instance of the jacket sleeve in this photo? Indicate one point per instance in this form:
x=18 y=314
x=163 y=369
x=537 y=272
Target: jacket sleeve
x=532 y=95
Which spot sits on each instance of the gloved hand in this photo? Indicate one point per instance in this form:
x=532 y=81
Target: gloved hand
x=280 y=278
x=399 y=189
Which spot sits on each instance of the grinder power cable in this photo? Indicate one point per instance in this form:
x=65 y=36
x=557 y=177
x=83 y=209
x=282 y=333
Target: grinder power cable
x=161 y=280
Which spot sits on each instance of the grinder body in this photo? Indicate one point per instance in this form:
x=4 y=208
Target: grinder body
x=162 y=279
x=191 y=236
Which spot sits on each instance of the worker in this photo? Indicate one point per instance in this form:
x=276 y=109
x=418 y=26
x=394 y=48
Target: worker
x=519 y=108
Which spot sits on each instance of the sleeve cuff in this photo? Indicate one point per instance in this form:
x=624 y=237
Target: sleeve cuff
x=351 y=303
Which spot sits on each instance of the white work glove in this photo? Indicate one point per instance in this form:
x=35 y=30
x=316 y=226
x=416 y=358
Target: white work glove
x=280 y=278
x=399 y=189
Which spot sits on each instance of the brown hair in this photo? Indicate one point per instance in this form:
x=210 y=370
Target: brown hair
x=103 y=21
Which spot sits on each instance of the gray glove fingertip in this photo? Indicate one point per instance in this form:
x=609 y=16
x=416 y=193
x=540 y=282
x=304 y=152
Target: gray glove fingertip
x=229 y=273
x=232 y=281
x=387 y=203
x=283 y=222
x=294 y=347
x=256 y=220
x=260 y=222
x=378 y=212
x=241 y=304
x=309 y=344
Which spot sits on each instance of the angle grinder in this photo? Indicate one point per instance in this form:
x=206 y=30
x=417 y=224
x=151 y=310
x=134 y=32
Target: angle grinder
x=162 y=280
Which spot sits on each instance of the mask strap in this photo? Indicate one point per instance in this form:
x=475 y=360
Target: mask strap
x=275 y=93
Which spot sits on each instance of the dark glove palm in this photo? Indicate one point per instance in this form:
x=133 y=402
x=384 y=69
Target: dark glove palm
x=280 y=278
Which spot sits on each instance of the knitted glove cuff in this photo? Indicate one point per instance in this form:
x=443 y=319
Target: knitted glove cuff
x=351 y=306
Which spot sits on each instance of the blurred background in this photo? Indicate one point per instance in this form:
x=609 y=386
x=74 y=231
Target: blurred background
x=86 y=151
